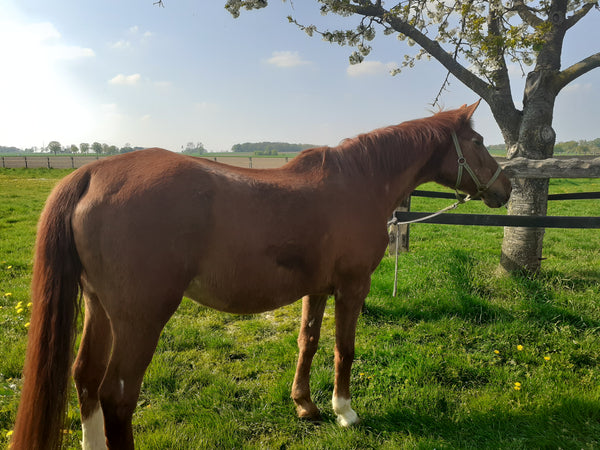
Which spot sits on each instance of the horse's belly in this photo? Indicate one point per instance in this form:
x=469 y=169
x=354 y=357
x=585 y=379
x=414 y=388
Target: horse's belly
x=238 y=301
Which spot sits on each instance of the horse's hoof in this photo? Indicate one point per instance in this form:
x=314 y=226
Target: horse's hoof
x=346 y=416
x=348 y=420
x=311 y=413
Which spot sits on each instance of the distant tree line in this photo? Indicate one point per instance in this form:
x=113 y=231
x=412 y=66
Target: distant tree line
x=269 y=148
x=581 y=147
x=194 y=149
x=578 y=147
x=84 y=148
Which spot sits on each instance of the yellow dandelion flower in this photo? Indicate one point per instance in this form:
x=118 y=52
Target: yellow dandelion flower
x=520 y=347
x=7 y=294
x=547 y=358
x=19 y=305
x=497 y=352
x=517 y=386
x=27 y=325
x=29 y=304
x=9 y=434
x=19 y=311
x=9 y=267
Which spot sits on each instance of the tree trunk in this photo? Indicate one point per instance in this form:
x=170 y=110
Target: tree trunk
x=522 y=247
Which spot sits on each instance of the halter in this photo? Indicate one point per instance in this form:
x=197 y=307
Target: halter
x=462 y=163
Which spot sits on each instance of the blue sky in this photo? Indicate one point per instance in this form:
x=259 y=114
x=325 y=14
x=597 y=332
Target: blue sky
x=130 y=72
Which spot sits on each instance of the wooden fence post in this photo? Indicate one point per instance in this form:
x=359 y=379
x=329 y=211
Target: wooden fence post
x=404 y=234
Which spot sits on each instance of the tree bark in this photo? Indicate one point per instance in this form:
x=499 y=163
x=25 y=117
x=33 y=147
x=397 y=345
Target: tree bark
x=522 y=247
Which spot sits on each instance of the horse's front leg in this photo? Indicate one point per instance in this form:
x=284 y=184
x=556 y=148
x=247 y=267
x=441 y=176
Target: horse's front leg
x=348 y=304
x=313 y=307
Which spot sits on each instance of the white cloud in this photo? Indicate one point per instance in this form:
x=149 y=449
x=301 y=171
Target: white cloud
x=286 y=59
x=134 y=37
x=121 y=44
x=370 y=68
x=40 y=100
x=72 y=52
x=31 y=39
x=126 y=80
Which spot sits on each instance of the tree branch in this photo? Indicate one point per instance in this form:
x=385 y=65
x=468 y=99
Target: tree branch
x=479 y=86
x=579 y=14
x=526 y=14
x=500 y=75
x=576 y=70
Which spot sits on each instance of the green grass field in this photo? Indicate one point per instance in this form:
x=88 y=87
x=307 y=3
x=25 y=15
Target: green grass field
x=461 y=359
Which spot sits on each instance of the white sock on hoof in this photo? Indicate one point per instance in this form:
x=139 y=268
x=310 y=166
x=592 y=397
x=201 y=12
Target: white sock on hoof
x=345 y=414
x=93 y=431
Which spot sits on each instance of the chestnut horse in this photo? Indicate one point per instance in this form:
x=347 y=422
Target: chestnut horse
x=135 y=233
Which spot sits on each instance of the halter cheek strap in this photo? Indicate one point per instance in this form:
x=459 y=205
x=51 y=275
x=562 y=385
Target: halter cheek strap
x=462 y=163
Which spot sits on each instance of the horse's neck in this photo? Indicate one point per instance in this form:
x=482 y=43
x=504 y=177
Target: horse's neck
x=382 y=176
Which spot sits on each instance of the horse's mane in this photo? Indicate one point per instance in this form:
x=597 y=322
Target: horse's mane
x=387 y=147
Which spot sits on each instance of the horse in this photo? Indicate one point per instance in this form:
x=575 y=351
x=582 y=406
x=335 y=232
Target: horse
x=132 y=234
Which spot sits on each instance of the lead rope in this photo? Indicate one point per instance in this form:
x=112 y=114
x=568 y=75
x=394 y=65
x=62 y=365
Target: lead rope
x=395 y=222
x=396 y=265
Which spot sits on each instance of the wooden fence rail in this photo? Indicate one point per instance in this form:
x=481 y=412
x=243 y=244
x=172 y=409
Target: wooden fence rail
x=76 y=161
x=403 y=214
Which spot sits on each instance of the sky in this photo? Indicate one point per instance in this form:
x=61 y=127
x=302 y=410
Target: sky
x=134 y=73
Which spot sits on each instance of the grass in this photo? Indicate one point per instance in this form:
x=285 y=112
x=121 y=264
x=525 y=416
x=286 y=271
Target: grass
x=436 y=367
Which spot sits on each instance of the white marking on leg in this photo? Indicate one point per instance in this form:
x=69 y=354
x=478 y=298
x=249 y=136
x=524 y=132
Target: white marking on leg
x=93 y=431
x=345 y=414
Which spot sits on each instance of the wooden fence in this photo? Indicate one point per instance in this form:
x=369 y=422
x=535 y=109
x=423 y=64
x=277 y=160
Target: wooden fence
x=76 y=161
x=515 y=168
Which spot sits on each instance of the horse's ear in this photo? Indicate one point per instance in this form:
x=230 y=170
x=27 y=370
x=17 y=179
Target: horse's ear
x=470 y=110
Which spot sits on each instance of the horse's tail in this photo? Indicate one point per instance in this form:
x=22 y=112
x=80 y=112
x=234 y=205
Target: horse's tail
x=54 y=290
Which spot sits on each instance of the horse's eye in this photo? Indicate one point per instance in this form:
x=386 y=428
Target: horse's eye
x=478 y=142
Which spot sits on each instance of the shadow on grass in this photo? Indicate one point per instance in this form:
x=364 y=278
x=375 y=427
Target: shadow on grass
x=459 y=296
x=539 y=297
x=553 y=426
x=464 y=295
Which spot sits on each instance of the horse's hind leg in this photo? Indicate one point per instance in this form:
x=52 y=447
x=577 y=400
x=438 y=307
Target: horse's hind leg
x=348 y=304
x=88 y=372
x=135 y=335
x=308 y=340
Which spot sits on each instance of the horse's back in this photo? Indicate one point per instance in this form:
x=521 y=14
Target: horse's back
x=142 y=218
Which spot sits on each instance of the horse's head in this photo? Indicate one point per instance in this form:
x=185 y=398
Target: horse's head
x=469 y=167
